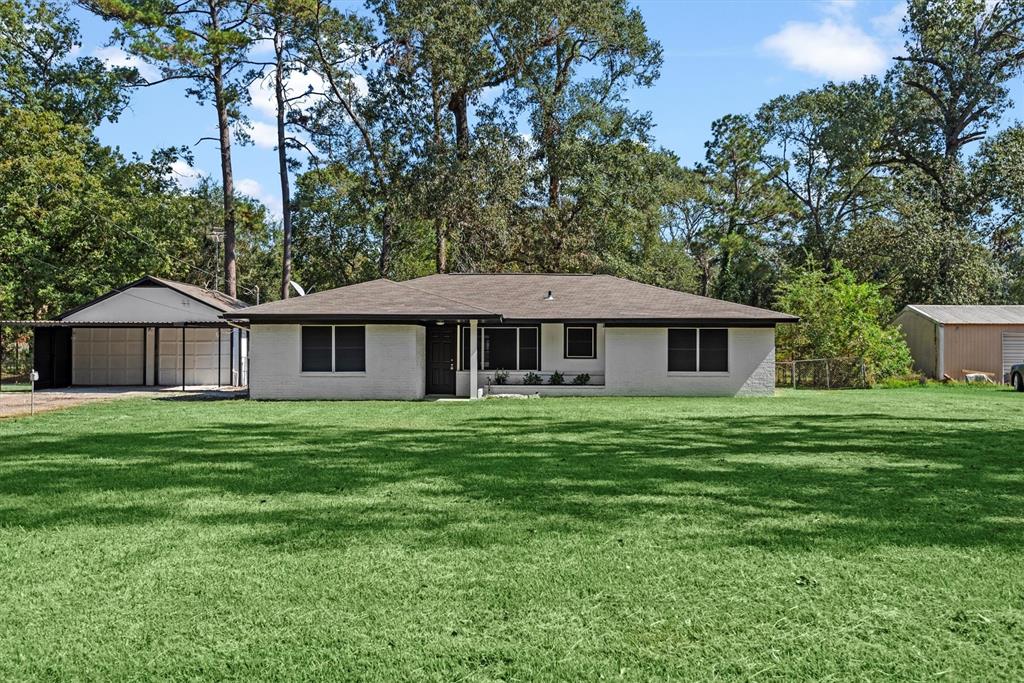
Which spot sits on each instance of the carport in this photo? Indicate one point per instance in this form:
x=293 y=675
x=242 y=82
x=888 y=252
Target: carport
x=151 y=332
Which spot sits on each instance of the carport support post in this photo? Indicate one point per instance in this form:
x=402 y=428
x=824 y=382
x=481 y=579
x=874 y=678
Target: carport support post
x=183 y=358
x=472 y=360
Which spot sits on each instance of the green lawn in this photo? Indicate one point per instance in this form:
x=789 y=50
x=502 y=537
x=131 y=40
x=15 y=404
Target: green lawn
x=846 y=535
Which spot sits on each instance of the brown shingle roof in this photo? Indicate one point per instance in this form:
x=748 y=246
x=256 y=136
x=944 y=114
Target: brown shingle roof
x=593 y=297
x=368 y=300
x=512 y=297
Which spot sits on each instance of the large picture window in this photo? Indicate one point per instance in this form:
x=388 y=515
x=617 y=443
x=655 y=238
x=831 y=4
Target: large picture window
x=503 y=348
x=333 y=349
x=580 y=341
x=698 y=350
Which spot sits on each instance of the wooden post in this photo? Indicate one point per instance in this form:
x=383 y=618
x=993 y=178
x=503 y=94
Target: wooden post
x=828 y=383
x=794 y=374
x=863 y=373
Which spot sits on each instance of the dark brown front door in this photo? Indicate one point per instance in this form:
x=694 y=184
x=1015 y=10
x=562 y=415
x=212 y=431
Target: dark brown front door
x=441 y=359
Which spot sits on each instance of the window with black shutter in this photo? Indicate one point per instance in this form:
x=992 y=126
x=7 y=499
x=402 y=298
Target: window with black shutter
x=316 y=349
x=580 y=341
x=682 y=350
x=350 y=349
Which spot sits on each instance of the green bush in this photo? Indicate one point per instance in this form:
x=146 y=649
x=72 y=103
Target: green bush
x=532 y=378
x=582 y=378
x=840 y=317
x=556 y=378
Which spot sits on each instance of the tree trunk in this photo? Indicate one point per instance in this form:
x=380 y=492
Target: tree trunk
x=440 y=223
x=230 y=283
x=386 y=230
x=458 y=105
x=282 y=159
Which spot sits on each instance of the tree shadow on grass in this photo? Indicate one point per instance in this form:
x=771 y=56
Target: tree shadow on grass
x=853 y=481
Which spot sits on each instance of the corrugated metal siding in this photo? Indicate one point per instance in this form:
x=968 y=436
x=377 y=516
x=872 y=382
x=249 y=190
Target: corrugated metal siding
x=920 y=333
x=1013 y=351
x=976 y=347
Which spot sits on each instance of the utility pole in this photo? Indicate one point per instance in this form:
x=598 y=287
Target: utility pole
x=216 y=234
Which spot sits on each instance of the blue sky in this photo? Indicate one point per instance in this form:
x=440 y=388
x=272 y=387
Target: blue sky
x=721 y=57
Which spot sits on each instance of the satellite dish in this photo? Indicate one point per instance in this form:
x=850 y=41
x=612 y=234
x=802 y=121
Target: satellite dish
x=297 y=287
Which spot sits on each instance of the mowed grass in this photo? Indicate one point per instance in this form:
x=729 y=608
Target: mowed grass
x=860 y=535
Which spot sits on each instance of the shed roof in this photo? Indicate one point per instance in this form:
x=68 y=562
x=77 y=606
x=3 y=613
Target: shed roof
x=513 y=297
x=210 y=299
x=971 y=315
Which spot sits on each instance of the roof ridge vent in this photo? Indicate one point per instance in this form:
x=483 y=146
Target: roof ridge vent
x=550 y=296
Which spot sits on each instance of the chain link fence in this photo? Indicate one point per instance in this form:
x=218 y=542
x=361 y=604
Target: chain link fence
x=15 y=357
x=822 y=373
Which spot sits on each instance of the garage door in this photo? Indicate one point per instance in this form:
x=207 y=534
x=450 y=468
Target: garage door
x=107 y=356
x=203 y=366
x=1013 y=351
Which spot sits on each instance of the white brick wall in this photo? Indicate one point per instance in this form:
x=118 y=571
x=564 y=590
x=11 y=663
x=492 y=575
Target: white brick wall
x=633 y=361
x=395 y=366
x=637 y=364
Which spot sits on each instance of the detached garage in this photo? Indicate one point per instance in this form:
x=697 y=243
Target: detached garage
x=951 y=341
x=151 y=332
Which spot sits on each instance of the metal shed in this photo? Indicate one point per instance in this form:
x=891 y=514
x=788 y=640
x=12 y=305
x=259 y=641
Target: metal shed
x=151 y=332
x=953 y=340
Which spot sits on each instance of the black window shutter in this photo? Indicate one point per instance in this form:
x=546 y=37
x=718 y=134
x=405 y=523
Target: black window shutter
x=316 y=349
x=350 y=349
x=528 y=348
x=714 y=350
x=682 y=350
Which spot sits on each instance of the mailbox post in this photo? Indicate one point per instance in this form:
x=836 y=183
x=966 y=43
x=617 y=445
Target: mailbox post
x=33 y=377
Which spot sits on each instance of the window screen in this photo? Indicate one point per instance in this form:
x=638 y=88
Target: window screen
x=499 y=349
x=714 y=350
x=579 y=342
x=316 y=349
x=682 y=350
x=528 y=348
x=349 y=349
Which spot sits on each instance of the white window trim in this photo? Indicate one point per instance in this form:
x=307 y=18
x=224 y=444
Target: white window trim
x=332 y=372
x=483 y=360
x=593 y=341
x=698 y=371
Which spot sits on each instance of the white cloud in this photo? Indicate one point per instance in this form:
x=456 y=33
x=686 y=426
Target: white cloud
x=889 y=23
x=264 y=101
x=115 y=56
x=262 y=91
x=253 y=188
x=263 y=135
x=262 y=47
x=839 y=51
x=185 y=175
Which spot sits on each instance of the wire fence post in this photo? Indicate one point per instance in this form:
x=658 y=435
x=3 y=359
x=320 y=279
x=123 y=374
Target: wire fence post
x=863 y=373
x=828 y=383
x=794 y=374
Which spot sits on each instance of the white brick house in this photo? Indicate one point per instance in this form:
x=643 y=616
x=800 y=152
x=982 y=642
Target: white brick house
x=508 y=333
